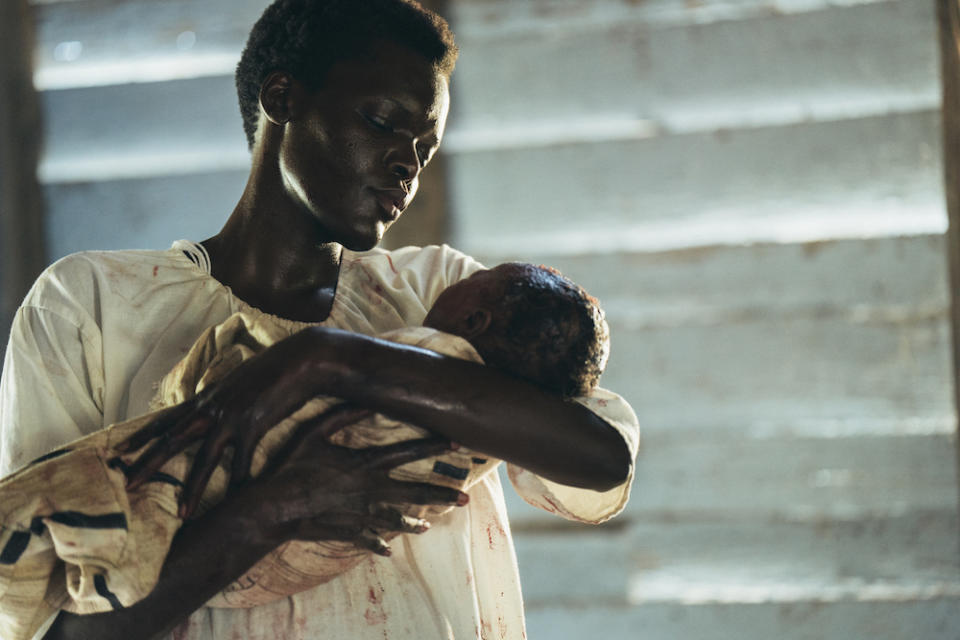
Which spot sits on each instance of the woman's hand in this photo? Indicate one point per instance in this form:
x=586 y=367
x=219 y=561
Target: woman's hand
x=318 y=491
x=235 y=412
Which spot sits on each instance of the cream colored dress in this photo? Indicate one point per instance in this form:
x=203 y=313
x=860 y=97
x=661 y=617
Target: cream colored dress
x=98 y=329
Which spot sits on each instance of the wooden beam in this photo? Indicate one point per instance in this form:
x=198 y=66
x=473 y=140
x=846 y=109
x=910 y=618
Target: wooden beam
x=427 y=220
x=948 y=15
x=21 y=207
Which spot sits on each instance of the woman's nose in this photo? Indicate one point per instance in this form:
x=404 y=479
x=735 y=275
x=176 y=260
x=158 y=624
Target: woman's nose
x=404 y=163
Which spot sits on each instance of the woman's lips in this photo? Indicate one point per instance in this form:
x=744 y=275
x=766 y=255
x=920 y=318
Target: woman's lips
x=392 y=201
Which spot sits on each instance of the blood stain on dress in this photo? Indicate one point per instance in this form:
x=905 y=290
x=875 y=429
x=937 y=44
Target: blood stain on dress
x=485 y=629
x=500 y=533
x=375 y=617
x=553 y=505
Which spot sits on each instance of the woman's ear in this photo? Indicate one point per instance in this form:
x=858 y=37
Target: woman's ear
x=276 y=97
x=475 y=323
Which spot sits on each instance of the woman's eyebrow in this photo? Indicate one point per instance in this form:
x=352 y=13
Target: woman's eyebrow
x=430 y=122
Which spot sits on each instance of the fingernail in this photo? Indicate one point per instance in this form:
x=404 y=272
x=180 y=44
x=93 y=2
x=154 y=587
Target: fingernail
x=462 y=499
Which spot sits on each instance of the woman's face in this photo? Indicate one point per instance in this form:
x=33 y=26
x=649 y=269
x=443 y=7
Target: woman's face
x=352 y=153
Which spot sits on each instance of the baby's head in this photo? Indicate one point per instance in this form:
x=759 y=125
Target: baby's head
x=531 y=322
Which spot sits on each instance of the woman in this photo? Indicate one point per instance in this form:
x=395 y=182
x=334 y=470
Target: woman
x=344 y=104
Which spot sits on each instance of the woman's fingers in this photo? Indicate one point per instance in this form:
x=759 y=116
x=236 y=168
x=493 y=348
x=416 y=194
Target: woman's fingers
x=309 y=439
x=161 y=424
x=359 y=536
x=314 y=432
x=208 y=457
x=390 y=519
x=337 y=417
x=398 y=492
x=370 y=539
x=167 y=445
x=395 y=455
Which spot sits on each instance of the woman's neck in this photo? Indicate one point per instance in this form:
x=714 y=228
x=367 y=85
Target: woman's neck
x=272 y=260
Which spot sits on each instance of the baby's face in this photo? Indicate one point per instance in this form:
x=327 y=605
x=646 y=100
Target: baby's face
x=481 y=290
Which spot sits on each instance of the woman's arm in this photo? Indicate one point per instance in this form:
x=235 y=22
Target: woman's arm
x=468 y=403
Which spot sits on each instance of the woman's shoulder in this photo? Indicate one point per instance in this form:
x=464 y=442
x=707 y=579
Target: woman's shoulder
x=380 y=290
x=438 y=261
x=78 y=284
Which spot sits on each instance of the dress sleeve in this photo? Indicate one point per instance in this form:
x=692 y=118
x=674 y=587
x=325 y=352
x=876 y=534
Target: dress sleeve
x=51 y=391
x=429 y=270
x=585 y=505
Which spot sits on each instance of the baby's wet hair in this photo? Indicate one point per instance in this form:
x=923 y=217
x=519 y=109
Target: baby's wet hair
x=549 y=331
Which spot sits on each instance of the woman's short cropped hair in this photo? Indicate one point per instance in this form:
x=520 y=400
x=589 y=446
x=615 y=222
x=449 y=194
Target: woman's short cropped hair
x=306 y=37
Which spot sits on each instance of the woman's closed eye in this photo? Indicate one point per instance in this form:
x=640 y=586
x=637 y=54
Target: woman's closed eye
x=378 y=122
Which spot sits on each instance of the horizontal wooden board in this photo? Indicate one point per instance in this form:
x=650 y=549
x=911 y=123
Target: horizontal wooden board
x=718 y=284
x=558 y=60
x=720 y=475
x=866 y=177
x=144 y=214
x=930 y=619
x=495 y=18
x=95 y=42
x=785 y=373
x=743 y=561
x=161 y=128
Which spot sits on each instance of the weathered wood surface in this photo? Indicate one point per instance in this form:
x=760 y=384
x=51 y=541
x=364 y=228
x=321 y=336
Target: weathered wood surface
x=596 y=60
x=144 y=214
x=121 y=41
x=909 y=556
x=22 y=254
x=907 y=619
x=162 y=128
x=887 y=577
x=853 y=178
x=698 y=475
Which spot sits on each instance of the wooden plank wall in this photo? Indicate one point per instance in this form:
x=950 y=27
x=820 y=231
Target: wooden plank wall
x=753 y=188
x=754 y=191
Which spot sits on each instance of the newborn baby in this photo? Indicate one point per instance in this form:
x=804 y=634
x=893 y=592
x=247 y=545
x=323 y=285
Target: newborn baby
x=528 y=321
